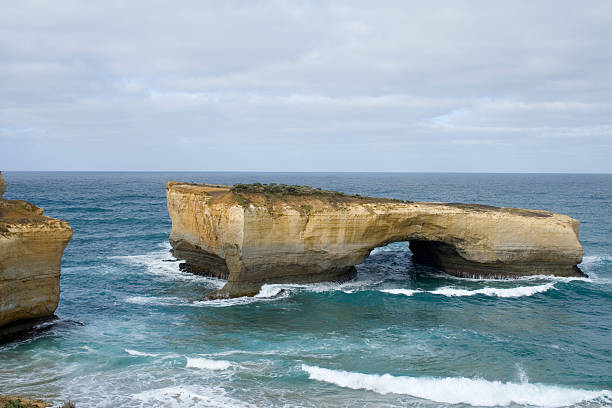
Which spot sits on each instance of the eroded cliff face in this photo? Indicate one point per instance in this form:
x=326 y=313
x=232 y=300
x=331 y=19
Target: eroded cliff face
x=2 y=185
x=253 y=238
x=31 y=248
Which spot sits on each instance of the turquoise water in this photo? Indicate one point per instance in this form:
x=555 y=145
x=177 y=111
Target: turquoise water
x=135 y=332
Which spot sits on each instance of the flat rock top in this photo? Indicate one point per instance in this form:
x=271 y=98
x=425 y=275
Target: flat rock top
x=21 y=216
x=300 y=196
x=20 y=212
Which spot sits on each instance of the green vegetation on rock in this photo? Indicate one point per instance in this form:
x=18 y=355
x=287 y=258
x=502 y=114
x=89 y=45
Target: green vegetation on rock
x=274 y=190
x=282 y=189
x=14 y=404
x=243 y=202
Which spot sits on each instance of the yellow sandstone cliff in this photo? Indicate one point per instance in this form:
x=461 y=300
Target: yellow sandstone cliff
x=31 y=248
x=254 y=234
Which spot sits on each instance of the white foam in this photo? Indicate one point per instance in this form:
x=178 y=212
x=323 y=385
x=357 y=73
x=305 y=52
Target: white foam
x=556 y=278
x=269 y=291
x=594 y=259
x=226 y=302
x=457 y=390
x=588 y=262
x=256 y=353
x=161 y=264
x=139 y=353
x=405 y=292
x=518 y=291
x=205 y=363
x=499 y=292
x=380 y=250
x=187 y=396
x=156 y=300
x=346 y=287
x=522 y=374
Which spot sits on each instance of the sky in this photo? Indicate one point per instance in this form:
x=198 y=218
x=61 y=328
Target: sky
x=442 y=86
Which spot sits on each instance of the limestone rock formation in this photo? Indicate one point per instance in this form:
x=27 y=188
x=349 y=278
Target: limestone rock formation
x=2 y=185
x=31 y=248
x=254 y=234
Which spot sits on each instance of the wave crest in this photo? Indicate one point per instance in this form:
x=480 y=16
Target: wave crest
x=499 y=292
x=457 y=390
x=518 y=291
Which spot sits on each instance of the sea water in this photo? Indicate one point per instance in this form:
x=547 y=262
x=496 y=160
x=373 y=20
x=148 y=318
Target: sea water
x=134 y=331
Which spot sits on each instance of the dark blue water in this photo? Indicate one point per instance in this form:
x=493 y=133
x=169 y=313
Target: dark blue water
x=398 y=335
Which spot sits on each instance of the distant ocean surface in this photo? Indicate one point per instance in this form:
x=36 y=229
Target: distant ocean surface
x=134 y=331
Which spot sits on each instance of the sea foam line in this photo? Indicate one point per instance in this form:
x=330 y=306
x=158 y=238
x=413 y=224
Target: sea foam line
x=266 y=293
x=519 y=291
x=456 y=390
x=157 y=300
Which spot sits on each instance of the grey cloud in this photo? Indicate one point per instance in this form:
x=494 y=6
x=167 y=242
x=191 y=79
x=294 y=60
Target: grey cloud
x=273 y=85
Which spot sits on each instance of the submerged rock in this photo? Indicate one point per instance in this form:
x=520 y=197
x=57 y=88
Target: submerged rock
x=31 y=248
x=256 y=234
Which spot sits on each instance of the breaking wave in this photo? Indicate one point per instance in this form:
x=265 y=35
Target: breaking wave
x=405 y=292
x=205 y=363
x=162 y=264
x=457 y=390
x=266 y=293
x=499 y=292
x=519 y=291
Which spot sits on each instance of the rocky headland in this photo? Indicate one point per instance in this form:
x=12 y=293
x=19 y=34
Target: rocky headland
x=31 y=248
x=256 y=234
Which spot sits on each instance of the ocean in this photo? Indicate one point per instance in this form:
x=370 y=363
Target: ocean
x=134 y=331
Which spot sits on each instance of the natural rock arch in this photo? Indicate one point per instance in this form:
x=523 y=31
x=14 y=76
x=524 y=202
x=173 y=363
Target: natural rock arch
x=251 y=237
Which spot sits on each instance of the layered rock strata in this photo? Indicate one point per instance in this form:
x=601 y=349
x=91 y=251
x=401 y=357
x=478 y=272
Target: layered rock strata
x=251 y=236
x=31 y=248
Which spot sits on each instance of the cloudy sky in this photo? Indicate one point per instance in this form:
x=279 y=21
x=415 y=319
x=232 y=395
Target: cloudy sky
x=506 y=86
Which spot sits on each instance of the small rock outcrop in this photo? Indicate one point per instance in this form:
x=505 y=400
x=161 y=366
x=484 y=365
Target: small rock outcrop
x=2 y=185
x=256 y=234
x=31 y=248
x=18 y=402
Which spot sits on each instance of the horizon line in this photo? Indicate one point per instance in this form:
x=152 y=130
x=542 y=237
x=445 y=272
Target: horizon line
x=303 y=172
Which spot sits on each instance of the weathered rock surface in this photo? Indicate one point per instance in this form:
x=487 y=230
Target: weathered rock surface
x=256 y=238
x=31 y=248
x=2 y=185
